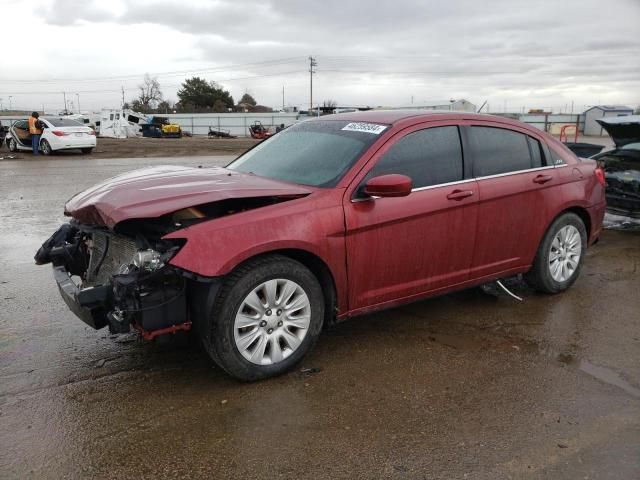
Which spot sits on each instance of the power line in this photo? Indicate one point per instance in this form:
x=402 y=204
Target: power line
x=274 y=62
x=163 y=86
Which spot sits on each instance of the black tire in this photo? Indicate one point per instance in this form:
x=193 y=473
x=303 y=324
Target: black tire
x=217 y=329
x=86 y=151
x=540 y=276
x=45 y=147
x=12 y=145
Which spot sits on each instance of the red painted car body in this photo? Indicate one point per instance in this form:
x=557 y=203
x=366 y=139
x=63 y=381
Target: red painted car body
x=328 y=219
x=378 y=252
x=386 y=251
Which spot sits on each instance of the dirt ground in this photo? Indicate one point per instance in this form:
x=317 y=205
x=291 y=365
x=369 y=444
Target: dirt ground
x=153 y=147
x=468 y=385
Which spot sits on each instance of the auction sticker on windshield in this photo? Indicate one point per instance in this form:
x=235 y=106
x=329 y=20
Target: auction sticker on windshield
x=365 y=127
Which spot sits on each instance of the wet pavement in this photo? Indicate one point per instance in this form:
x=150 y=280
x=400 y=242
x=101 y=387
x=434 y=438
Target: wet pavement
x=468 y=385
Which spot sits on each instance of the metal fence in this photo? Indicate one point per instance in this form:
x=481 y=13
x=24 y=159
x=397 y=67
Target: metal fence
x=553 y=122
x=198 y=123
x=232 y=123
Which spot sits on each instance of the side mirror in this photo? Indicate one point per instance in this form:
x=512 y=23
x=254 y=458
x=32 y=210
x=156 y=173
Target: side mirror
x=393 y=185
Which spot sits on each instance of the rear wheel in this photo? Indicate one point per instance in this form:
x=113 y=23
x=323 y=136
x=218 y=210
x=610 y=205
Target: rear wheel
x=13 y=146
x=266 y=317
x=559 y=257
x=45 y=147
x=86 y=151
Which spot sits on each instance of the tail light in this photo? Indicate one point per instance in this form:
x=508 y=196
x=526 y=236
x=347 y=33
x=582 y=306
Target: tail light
x=92 y=132
x=600 y=176
x=59 y=133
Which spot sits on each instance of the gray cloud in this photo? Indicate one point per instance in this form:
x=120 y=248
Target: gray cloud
x=465 y=46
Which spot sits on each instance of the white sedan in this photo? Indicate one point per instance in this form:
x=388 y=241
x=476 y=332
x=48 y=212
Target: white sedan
x=59 y=133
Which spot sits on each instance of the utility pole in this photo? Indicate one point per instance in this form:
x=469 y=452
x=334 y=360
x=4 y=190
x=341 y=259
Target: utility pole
x=122 y=87
x=64 y=94
x=283 y=98
x=312 y=63
x=10 y=97
x=78 y=97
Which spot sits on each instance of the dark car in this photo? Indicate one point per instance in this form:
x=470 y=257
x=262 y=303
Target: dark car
x=330 y=218
x=622 y=165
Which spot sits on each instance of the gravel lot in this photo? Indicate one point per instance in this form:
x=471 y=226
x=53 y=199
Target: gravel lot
x=467 y=385
x=140 y=147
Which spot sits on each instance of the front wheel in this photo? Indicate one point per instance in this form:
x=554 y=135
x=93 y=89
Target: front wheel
x=86 y=151
x=266 y=317
x=559 y=258
x=13 y=146
x=45 y=147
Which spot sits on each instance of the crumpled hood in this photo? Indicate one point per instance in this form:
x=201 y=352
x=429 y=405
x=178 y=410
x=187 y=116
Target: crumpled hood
x=156 y=191
x=622 y=130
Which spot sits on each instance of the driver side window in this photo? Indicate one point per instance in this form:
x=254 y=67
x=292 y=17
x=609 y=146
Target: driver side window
x=429 y=157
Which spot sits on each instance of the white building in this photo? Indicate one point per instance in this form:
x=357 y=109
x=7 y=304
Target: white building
x=591 y=127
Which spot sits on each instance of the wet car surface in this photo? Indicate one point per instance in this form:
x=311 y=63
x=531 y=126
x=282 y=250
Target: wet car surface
x=466 y=384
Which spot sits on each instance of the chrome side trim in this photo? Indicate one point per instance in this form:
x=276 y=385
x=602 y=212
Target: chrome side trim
x=468 y=180
x=517 y=172
x=448 y=184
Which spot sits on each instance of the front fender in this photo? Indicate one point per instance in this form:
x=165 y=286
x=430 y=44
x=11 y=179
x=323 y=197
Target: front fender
x=314 y=225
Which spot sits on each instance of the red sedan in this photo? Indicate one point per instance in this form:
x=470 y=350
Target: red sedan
x=330 y=218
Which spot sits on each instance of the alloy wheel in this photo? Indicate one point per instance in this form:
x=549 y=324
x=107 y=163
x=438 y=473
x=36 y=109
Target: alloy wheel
x=272 y=321
x=565 y=252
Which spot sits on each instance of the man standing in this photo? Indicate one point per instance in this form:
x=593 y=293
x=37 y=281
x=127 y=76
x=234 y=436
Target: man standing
x=35 y=129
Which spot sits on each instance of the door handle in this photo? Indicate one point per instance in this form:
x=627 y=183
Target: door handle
x=459 y=194
x=543 y=179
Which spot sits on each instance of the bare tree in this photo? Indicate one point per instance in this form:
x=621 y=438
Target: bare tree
x=149 y=92
x=248 y=99
x=328 y=106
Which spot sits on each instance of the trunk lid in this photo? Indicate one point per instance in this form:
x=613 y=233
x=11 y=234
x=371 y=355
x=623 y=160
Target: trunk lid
x=153 y=192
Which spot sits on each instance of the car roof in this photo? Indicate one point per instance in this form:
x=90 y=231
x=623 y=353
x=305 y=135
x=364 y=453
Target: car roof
x=391 y=117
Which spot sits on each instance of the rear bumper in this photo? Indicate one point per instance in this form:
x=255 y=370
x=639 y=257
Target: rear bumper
x=69 y=141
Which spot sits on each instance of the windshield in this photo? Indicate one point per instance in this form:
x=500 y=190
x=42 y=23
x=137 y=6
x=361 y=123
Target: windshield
x=316 y=153
x=63 y=122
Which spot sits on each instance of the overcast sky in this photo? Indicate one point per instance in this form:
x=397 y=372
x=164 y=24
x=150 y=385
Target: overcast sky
x=513 y=53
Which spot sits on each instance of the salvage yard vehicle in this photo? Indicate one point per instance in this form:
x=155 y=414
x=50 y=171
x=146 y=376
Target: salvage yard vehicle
x=331 y=218
x=259 y=131
x=622 y=166
x=59 y=133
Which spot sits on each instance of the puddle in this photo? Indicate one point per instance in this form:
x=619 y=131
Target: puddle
x=608 y=376
x=603 y=374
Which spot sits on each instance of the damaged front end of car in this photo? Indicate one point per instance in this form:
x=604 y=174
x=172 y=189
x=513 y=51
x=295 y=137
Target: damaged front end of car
x=119 y=281
x=112 y=261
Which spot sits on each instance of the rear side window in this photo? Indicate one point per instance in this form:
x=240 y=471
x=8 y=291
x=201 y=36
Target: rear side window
x=430 y=157
x=556 y=158
x=536 y=153
x=496 y=151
